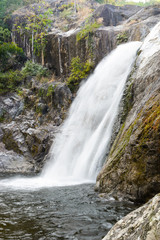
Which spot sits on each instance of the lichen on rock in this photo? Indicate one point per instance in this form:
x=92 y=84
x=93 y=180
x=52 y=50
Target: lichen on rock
x=143 y=223
x=132 y=168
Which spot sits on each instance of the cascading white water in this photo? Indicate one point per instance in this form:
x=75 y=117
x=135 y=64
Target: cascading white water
x=79 y=148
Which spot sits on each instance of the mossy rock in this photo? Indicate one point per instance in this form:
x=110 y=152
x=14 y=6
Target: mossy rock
x=134 y=157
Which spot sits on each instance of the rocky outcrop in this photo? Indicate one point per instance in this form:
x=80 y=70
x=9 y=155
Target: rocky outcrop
x=132 y=168
x=143 y=223
x=24 y=144
x=129 y=23
x=118 y=24
x=112 y=15
x=11 y=162
x=29 y=124
x=11 y=106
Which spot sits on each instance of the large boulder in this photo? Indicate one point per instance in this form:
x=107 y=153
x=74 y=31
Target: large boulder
x=143 y=223
x=25 y=142
x=113 y=15
x=132 y=168
x=11 y=162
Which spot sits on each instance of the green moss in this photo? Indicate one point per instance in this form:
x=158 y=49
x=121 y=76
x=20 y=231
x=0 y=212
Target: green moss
x=10 y=143
x=34 y=150
x=128 y=102
x=148 y=132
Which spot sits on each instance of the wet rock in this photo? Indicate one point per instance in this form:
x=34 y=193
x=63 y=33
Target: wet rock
x=11 y=162
x=28 y=132
x=132 y=168
x=10 y=106
x=28 y=141
x=143 y=223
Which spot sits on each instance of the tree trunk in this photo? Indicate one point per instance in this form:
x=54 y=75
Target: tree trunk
x=42 y=57
x=32 y=46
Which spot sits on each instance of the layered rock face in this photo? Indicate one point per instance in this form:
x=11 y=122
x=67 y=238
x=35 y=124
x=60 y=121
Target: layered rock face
x=118 y=24
x=131 y=22
x=29 y=124
x=140 y=224
x=132 y=169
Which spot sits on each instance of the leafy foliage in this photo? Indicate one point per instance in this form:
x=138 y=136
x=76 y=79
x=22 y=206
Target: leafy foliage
x=123 y=2
x=10 y=56
x=79 y=71
x=122 y=38
x=88 y=29
x=50 y=90
x=9 y=81
x=5 y=35
x=36 y=27
x=66 y=6
x=34 y=69
x=8 y=6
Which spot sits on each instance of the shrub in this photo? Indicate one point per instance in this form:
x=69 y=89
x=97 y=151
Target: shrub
x=50 y=90
x=66 y=6
x=122 y=38
x=10 y=56
x=9 y=81
x=35 y=69
x=88 y=29
x=5 y=35
x=79 y=71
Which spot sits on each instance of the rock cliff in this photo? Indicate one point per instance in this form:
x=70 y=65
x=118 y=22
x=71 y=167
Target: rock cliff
x=132 y=168
x=116 y=25
x=143 y=223
x=29 y=124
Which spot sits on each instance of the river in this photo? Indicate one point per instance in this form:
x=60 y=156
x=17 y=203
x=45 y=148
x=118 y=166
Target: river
x=58 y=213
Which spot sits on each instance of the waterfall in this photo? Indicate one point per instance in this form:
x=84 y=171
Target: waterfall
x=79 y=148
x=78 y=151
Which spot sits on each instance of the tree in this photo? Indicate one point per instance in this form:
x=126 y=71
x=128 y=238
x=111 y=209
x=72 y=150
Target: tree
x=36 y=27
x=5 y=35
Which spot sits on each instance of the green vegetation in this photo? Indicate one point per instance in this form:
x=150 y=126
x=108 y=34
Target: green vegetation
x=123 y=2
x=10 y=56
x=36 y=27
x=8 y=6
x=35 y=69
x=122 y=38
x=50 y=90
x=5 y=35
x=9 y=81
x=79 y=71
x=66 y=6
x=87 y=30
